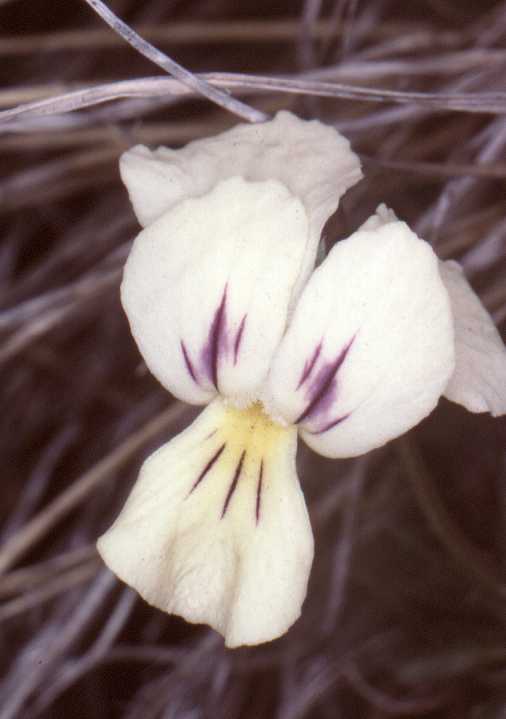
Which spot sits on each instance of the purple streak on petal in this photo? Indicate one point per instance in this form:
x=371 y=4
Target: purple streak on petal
x=323 y=389
x=322 y=392
x=188 y=363
x=259 y=491
x=216 y=341
x=309 y=364
x=233 y=485
x=206 y=469
x=238 y=338
x=330 y=425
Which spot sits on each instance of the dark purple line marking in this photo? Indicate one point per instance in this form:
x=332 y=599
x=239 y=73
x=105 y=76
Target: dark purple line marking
x=325 y=384
x=233 y=486
x=309 y=365
x=188 y=362
x=215 y=335
x=331 y=425
x=238 y=338
x=208 y=466
x=259 y=492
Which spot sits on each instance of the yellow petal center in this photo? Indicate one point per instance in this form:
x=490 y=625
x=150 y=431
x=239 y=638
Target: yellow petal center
x=243 y=447
x=252 y=430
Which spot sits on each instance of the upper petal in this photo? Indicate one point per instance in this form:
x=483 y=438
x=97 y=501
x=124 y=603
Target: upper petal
x=216 y=528
x=311 y=159
x=207 y=286
x=479 y=379
x=370 y=347
x=383 y=216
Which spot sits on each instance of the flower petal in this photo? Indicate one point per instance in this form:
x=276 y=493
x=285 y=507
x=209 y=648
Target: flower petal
x=383 y=216
x=216 y=529
x=311 y=159
x=479 y=380
x=370 y=347
x=206 y=288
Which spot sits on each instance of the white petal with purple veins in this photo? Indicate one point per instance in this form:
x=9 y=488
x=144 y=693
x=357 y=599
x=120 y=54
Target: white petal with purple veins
x=311 y=159
x=370 y=347
x=479 y=379
x=207 y=286
x=216 y=528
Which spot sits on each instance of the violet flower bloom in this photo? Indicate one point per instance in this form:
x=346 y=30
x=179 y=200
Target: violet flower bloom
x=228 y=311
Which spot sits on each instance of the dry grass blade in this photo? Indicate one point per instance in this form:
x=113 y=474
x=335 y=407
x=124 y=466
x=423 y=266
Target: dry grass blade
x=150 y=87
x=33 y=670
x=82 y=487
x=51 y=589
x=178 y=33
x=201 y=87
x=29 y=577
x=387 y=704
x=468 y=557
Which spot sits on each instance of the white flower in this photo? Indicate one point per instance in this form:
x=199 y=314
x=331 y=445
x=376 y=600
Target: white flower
x=222 y=303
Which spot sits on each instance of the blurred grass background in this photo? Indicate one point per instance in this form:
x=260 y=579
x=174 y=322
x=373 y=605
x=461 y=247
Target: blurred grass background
x=406 y=611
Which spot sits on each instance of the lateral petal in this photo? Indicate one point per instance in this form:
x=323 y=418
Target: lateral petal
x=312 y=160
x=216 y=529
x=370 y=348
x=479 y=379
x=206 y=288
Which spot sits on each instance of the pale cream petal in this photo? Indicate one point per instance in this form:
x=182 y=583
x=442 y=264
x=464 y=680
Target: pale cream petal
x=370 y=348
x=207 y=287
x=479 y=380
x=383 y=216
x=216 y=528
x=312 y=160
